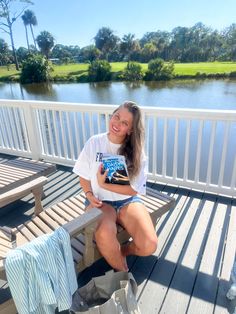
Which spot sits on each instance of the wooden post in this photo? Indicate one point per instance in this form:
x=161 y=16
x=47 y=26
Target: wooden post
x=33 y=132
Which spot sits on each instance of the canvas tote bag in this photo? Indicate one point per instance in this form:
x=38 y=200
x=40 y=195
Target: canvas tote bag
x=113 y=293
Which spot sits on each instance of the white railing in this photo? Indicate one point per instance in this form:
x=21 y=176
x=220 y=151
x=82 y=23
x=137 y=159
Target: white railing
x=186 y=147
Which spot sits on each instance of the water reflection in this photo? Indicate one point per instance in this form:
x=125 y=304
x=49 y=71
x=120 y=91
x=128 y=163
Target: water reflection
x=133 y=85
x=42 y=89
x=100 y=93
x=207 y=94
x=100 y=85
x=173 y=84
x=11 y=91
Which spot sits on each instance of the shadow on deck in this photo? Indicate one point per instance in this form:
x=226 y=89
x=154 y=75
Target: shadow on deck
x=190 y=271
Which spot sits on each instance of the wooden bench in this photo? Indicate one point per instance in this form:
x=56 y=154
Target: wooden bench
x=70 y=214
x=19 y=177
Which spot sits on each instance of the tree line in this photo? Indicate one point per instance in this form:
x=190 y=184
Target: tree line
x=198 y=43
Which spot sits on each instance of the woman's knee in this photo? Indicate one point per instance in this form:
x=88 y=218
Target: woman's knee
x=148 y=245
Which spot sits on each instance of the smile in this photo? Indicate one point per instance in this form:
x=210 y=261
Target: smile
x=115 y=129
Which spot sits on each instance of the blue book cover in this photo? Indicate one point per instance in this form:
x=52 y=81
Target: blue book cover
x=117 y=169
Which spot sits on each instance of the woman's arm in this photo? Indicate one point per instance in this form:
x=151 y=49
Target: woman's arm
x=86 y=186
x=117 y=188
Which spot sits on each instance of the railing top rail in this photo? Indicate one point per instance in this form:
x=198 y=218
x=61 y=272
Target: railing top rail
x=60 y=106
x=190 y=113
x=180 y=113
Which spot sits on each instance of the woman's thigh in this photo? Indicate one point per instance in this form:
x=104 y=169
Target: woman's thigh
x=108 y=214
x=135 y=218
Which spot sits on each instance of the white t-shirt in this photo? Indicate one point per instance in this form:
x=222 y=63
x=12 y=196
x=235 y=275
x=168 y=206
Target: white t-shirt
x=88 y=162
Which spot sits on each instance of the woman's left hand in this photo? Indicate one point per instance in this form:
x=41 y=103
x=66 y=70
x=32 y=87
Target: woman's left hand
x=101 y=177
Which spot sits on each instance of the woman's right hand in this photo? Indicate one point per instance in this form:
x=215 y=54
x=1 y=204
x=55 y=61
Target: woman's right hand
x=94 y=201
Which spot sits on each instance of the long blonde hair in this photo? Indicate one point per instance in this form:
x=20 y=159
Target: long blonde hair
x=132 y=146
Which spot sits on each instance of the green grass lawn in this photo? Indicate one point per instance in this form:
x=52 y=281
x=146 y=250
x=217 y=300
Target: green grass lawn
x=71 y=70
x=76 y=69
x=5 y=72
x=189 y=68
x=204 y=67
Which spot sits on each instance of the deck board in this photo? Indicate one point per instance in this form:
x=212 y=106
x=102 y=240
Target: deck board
x=230 y=246
x=189 y=272
x=206 y=285
x=182 y=284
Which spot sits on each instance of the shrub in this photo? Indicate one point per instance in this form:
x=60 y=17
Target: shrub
x=158 y=70
x=200 y=75
x=99 y=70
x=133 y=72
x=59 y=78
x=35 y=69
x=117 y=76
x=83 y=78
x=232 y=74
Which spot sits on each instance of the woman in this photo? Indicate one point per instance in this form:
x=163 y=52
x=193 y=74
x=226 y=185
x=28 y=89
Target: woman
x=119 y=203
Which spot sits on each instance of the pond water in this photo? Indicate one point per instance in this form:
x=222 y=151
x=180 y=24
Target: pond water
x=207 y=94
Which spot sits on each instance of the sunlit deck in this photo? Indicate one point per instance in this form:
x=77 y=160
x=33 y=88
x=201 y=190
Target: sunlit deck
x=190 y=271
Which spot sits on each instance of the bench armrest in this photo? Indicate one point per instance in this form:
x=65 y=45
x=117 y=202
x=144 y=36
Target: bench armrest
x=79 y=224
x=34 y=186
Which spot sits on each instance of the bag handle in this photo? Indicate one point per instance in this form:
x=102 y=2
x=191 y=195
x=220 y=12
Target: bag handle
x=133 y=283
x=124 y=276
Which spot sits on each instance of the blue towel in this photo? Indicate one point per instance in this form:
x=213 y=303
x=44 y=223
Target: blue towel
x=41 y=274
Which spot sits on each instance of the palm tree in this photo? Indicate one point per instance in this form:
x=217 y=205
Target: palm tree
x=105 y=40
x=7 y=20
x=45 y=41
x=127 y=45
x=25 y=21
x=30 y=19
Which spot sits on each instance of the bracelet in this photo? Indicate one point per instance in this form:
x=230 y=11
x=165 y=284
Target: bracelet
x=88 y=192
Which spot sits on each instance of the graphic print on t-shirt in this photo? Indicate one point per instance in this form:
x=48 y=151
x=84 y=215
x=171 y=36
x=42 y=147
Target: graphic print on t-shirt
x=99 y=157
x=117 y=169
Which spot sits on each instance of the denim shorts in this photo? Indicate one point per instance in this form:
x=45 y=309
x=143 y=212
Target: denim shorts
x=117 y=205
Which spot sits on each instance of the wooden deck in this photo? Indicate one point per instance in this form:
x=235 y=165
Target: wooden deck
x=190 y=271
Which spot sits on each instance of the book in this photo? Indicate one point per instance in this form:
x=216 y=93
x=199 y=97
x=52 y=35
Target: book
x=117 y=169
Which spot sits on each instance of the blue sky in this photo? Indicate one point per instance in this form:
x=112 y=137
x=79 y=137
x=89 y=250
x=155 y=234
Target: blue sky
x=76 y=22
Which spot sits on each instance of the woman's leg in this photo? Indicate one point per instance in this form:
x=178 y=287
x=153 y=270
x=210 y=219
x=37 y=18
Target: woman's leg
x=106 y=239
x=137 y=221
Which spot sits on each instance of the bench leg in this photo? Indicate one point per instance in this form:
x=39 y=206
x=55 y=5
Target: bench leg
x=38 y=193
x=89 y=254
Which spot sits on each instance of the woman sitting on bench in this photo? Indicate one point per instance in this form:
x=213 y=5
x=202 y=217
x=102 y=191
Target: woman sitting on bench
x=119 y=202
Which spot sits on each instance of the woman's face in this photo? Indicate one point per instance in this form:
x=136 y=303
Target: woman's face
x=121 y=123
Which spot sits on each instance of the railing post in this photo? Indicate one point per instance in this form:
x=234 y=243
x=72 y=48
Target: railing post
x=33 y=132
